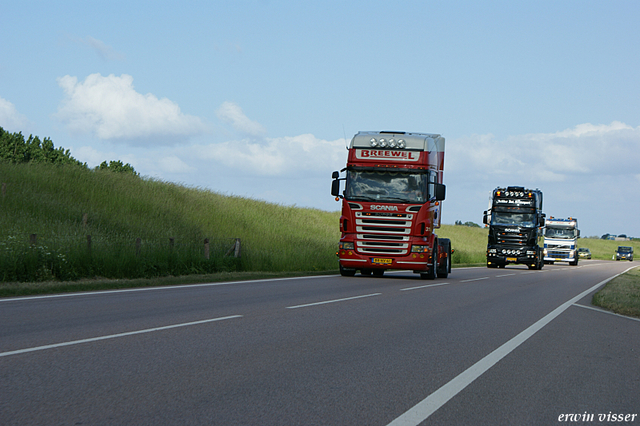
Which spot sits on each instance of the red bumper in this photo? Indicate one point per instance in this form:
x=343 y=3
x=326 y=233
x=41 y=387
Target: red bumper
x=413 y=261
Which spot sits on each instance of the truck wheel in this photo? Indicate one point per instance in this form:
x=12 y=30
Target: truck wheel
x=444 y=269
x=431 y=274
x=347 y=272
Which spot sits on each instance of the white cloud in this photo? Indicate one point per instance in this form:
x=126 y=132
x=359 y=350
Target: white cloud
x=110 y=108
x=10 y=119
x=285 y=156
x=232 y=114
x=587 y=150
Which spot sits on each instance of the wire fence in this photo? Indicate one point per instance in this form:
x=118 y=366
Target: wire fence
x=71 y=257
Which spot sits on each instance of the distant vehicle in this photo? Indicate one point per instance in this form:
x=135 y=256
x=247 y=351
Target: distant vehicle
x=624 y=253
x=560 y=240
x=584 y=253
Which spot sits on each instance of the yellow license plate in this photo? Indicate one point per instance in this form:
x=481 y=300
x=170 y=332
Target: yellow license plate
x=381 y=261
x=512 y=259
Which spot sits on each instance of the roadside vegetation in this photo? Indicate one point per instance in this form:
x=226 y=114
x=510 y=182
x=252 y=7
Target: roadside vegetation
x=621 y=295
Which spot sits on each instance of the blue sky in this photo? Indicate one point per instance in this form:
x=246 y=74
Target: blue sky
x=256 y=98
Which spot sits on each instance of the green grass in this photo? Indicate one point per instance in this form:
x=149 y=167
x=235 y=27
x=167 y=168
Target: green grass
x=52 y=200
x=621 y=295
x=469 y=244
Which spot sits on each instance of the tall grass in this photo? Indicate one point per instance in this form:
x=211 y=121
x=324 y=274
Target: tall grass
x=52 y=200
x=469 y=243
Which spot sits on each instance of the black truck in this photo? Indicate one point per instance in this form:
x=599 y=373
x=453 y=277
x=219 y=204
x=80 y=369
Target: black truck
x=515 y=222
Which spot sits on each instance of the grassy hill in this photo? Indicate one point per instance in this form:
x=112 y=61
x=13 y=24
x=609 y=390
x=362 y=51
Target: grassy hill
x=62 y=204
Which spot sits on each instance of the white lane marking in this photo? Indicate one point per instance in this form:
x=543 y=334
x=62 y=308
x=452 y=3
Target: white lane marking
x=421 y=411
x=605 y=312
x=474 y=279
x=423 y=286
x=504 y=275
x=333 y=301
x=168 y=287
x=113 y=336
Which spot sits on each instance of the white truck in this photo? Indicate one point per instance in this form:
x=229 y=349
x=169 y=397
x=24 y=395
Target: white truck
x=560 y=240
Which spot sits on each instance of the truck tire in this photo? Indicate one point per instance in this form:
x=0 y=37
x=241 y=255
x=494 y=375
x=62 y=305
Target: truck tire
x=347 y=272
x=431 y=273
x=444 y=269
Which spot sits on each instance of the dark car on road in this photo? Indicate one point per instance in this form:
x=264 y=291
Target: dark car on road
x=584 y=253
x=624 y=253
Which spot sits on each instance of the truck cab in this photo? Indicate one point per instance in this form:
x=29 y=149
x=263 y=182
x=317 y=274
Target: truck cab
x=561 y=240
x=391 y=204
x=515 y=220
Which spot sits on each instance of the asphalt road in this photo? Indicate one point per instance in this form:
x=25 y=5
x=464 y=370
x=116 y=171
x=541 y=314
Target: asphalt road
x=482 y=347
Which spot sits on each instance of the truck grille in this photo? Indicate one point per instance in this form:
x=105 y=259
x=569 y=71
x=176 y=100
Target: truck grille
x=558 y=254
x=383 y=233
x=511 y=238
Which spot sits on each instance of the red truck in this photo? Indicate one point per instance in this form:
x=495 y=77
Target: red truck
x=391 y=205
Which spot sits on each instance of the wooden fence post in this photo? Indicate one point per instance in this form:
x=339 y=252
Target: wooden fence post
x=206 y=248
x=236 y=253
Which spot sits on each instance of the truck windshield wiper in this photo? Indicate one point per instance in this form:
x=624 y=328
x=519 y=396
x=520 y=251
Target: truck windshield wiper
x=361 y=198
x=398 y=199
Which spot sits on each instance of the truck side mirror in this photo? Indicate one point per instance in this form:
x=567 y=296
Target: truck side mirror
x=335 y=175
x=484 y=217
x=440 y=191
x=335 y=186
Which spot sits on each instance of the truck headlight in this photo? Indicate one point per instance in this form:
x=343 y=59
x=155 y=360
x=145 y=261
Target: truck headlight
x=419 y=249
x=346 y=246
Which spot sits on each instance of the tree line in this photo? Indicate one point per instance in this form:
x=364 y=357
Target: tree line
x=14 y=148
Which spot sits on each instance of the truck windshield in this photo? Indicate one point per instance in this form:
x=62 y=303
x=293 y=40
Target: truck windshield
x=559 y=233
x=386 y=186
x=513 y=218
